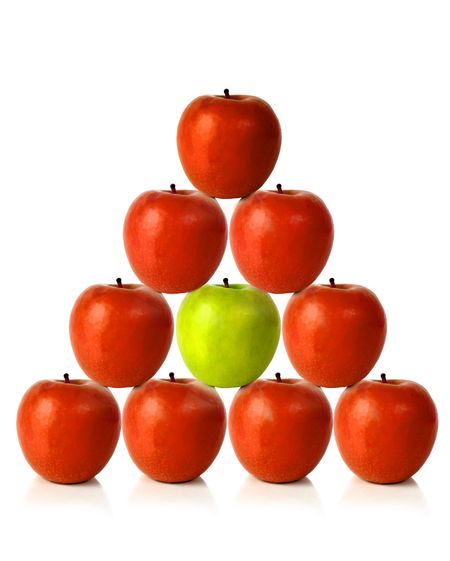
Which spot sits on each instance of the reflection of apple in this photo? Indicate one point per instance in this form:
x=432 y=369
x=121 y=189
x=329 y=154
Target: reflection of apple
x=385 y=429
x=227 y=334
x=68 y=429
x=279 y=428
x=173 y=428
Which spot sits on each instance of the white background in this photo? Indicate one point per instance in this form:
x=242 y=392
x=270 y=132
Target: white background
x=90 y=97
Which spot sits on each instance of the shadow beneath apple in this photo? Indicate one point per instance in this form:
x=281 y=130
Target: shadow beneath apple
x=148 y=492
x=42 y=493
x=299 y=494
x=405 y=496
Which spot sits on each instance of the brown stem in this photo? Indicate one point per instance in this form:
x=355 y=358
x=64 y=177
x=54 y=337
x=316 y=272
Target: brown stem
x=172 y=376
x=226 y=91
x=225 y=283
x=332 y=283
x=66 y=378
x=278 y=377
x=173 y=188
x=383 y=378
x=279 y=188
x=119 y=282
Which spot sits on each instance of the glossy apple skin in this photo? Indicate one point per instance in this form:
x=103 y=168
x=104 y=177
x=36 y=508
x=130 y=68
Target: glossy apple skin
x=334 y=336
x=68 y=431
x=385 y=430
x=175 y=241
x=280 y=430
x=227 y=336
x=281 y=241
x=120 y=336
x=228 y=146
x=173 y=430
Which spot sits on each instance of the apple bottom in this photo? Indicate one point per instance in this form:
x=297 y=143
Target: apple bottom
x=64 y=467
x=265 y=464
x=280 y=430
x=379 y=466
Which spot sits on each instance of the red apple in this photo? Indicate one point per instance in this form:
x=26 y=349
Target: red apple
x=68 y=429
x=385 y=430
x=334 y=334
x=174 y=428
x=175 y=239
x=280 y=428
x=120 y=333
x=281 y=239
x=228 y=144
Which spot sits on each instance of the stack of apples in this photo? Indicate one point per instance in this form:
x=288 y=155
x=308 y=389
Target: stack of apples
x=228 y=333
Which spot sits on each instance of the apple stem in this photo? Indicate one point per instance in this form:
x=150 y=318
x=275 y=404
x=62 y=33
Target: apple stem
x=66 y=378
x=332 y=283
x=226 y=91
x=278 y=377
x=119 y=282
x=225 y=283
x=172 y=376
x=383 y=378
x=279 y=188
x=173 y=188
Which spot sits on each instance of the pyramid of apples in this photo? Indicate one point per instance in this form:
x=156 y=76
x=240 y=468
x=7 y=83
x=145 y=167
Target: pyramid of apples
x=228 y=333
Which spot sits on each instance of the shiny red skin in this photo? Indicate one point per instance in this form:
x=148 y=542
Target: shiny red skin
x=174 y=430
x=120 y=336
x=281 y=241
x=334 y=336
x=280 y=430
x=228 y=146
x=385 y=431
x=175 y=241
x=68 y=431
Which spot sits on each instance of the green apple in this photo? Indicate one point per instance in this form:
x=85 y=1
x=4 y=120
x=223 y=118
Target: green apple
x=227 y=334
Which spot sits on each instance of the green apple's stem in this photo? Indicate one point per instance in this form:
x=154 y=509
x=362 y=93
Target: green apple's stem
x=383 y=378
x=119 y=282
x=279 y=188
x=278 y=377
x=172 y=376
x=332 y=283
x=225 y=283
x=66 y=378
x=173 y=188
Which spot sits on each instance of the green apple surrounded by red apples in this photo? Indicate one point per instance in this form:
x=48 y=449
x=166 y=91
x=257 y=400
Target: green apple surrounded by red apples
x=227 y=333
